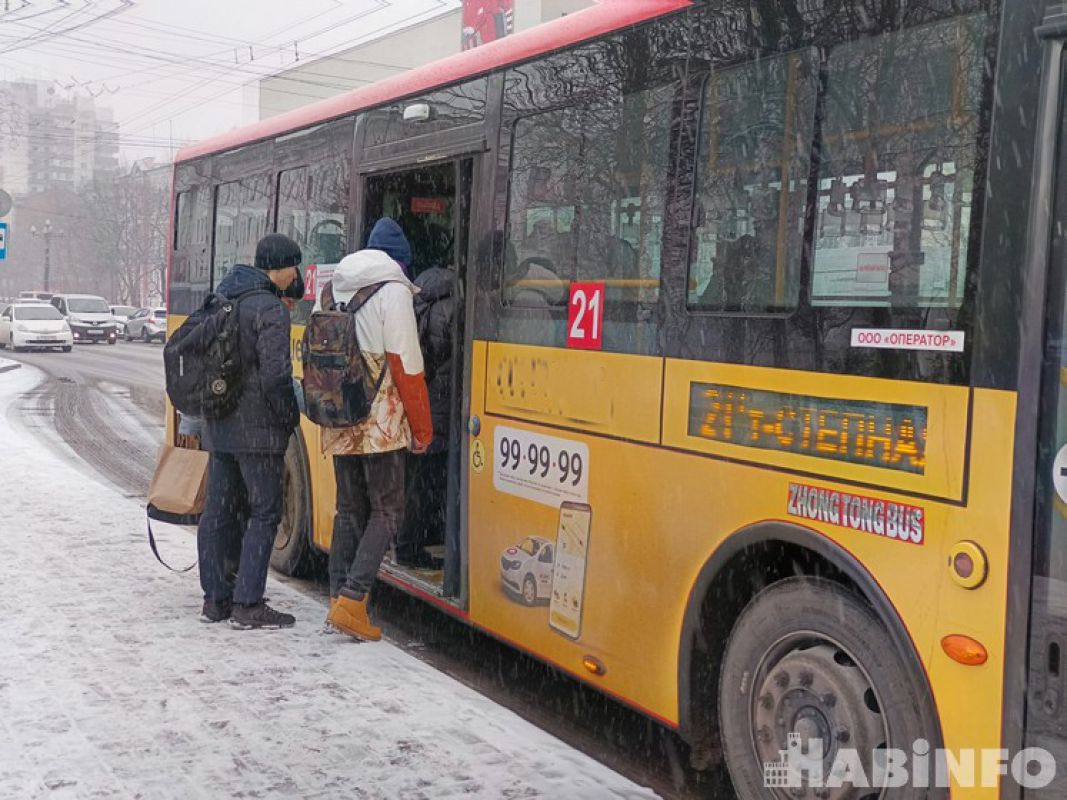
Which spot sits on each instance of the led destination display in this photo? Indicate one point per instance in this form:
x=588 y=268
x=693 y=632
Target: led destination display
x=887 y=435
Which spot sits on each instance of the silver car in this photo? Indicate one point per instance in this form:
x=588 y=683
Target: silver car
x=148 y=325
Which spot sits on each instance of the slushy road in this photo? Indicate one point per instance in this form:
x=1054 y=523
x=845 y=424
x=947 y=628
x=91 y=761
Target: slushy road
x=106 y=402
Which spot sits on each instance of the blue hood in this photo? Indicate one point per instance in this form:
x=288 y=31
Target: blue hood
x=243 y=279
x=388 y=237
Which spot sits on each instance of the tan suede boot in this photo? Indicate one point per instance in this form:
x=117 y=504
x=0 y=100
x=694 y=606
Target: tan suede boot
x=350 y=616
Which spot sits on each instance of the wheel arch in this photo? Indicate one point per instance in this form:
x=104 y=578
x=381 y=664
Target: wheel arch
x=796 y=551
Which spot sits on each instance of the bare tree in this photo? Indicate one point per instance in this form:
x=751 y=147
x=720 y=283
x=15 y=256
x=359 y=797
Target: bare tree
x=125 y=246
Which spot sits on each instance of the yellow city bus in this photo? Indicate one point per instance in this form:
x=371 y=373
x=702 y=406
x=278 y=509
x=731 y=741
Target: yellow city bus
x=756 y=415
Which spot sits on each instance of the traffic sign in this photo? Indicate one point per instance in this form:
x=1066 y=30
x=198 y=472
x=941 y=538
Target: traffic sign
x=5 y=203
x=3 y=241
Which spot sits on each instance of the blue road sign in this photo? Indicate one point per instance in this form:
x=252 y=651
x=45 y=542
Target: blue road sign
x=3 y=241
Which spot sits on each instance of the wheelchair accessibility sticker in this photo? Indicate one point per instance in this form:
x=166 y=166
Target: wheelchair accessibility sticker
x=478 y=457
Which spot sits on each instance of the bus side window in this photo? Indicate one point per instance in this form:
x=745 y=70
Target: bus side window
x=190 y=270
x=242 y=209
x=896 y=182
x=327 y=235
x=587 y=197
x=312 y=211
x=757 y=123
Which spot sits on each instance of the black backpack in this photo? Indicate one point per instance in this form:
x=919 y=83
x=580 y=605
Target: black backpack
x=202 y=360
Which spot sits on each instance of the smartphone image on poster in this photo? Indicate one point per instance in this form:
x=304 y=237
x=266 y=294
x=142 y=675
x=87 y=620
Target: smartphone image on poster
x=568 y=571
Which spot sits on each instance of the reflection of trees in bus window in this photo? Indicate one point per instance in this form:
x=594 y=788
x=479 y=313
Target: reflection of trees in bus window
x=190 y=277
x=450 y=107
x=293 y=205
x=182 y=219
x=227 y=205
x=896 y=179
x=756 y=126
x=587 y=197
x=241 y=212
x=312 y=211
x=327 y=236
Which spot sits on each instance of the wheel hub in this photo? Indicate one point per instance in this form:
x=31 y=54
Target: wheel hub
x=812 y=702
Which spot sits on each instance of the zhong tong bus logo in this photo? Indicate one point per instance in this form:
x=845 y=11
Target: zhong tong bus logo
x=804 y=764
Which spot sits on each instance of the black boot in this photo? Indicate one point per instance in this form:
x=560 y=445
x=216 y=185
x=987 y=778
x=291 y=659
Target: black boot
x=260 y=615
x=216 y=611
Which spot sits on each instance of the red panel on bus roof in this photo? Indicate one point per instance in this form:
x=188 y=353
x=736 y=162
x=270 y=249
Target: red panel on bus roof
x=607 y=16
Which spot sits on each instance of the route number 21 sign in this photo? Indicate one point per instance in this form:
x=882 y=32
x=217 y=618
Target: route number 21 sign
x=585 y=320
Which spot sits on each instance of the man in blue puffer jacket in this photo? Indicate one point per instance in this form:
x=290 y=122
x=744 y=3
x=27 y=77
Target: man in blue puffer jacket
x=248 y=446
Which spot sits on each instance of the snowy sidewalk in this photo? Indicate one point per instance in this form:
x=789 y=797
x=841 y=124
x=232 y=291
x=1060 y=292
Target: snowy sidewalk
x=110 y=687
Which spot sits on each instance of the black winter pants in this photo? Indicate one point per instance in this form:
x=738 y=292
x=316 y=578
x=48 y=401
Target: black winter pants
x=370 y=504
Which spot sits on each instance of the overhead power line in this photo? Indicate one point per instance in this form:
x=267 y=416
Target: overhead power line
x=154 y=61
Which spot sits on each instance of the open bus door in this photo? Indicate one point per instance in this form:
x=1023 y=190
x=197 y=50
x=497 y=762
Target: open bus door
x=432 y=204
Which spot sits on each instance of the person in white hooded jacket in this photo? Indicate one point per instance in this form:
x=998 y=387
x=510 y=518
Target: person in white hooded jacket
x=369 y=458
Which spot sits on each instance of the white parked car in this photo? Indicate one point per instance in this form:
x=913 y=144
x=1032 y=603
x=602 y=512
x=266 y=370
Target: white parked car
x=26 y=325
x=526 y=569
x=148 y=324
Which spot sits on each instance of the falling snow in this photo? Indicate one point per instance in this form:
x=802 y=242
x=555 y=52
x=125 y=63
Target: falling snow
x=110 y=687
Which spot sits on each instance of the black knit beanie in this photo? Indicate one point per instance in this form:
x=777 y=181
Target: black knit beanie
x=277 y=251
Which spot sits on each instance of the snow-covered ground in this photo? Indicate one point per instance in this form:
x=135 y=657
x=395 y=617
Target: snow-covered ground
x=110 y=687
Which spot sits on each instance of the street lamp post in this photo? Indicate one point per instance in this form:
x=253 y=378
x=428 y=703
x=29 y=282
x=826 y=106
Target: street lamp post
x=46 y=232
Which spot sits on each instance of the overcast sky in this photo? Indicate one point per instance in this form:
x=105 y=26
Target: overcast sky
x=181 y=70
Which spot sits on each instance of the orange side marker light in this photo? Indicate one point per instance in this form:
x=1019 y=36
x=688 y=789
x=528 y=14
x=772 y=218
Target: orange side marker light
x=965 y=650
x=594 y=665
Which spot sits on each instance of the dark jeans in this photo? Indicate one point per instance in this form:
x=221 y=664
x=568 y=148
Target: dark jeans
x=239 y=487
x=370 y=503
x=425 y=506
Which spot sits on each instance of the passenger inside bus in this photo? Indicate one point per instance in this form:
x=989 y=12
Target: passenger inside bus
x=426 y=203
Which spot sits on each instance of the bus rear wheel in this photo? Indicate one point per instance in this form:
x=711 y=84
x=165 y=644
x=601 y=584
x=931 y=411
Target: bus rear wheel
x=810 y=658
x=292 y=547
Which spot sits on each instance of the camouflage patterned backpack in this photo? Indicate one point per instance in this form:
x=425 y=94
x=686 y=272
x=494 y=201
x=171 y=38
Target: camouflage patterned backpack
x=335 y=375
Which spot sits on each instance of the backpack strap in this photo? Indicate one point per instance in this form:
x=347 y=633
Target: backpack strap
x=360 y=299
x=327 y=302
x=253 y=293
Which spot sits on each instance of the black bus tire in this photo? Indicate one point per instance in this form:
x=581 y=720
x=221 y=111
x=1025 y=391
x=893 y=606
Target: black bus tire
x=292 y=554
x=810 y=656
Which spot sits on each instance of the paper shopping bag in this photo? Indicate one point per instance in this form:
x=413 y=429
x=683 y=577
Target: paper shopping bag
x=176 y=494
